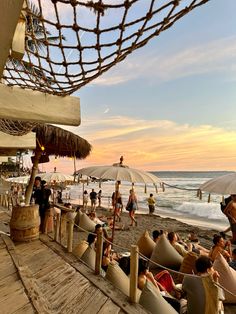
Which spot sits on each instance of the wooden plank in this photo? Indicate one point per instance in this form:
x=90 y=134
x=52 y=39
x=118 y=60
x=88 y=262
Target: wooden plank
x=62 y=299
x=29 y=283
x=26 y=309
x=9 y=16
x=92 y=304
x=6 y=290
x=9 y=144
x=109 y=308
x=76 y=294
x=27 y=105
x=9 y=304
x=104 y=286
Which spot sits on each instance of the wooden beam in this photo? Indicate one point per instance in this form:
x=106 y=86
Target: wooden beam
x=10 y=11
x=18 y=43
x=27 y=105
x=9 y=144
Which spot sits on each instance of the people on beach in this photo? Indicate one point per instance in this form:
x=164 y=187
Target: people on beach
x=113 y=200
x=223 y=206
x=202 y=294
x=99 y=228
x=144 y=274
x=36 y=194
x=180 y=248
x=132 y=206
x=156 y=235
x=99 y=198
x=91 y=239
x=108 y=256
x=196 y=247
x=230 y=212
x=93 y=199
x=232 y=263
x=85 y=200
x=118 y=206
x=44 y=206
x=165 y=286
x=151 y=204
x=220 y=246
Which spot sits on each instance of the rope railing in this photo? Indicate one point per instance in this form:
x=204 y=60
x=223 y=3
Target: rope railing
x=134 y=256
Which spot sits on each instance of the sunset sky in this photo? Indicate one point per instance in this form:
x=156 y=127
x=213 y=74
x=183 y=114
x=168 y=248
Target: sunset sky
x=170 y=105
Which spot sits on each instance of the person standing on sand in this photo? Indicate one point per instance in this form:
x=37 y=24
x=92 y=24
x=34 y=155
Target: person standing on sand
x=99 y=198
x=230 y=212
x=151 y=204
x=85 y=201
x=93 y=199
x=132 y=206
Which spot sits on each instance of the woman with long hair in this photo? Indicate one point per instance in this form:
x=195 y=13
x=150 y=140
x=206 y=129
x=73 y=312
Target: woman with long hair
x=132 y=206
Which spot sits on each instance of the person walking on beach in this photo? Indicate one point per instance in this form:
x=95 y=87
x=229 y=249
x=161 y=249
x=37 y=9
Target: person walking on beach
x=151 y=204
x=93 y=199
x=85 y=201
x=99 y=198
x=118 y=206
x=132 y=206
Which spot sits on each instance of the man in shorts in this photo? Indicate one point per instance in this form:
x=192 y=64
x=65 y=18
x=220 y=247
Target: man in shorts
x=93 y=199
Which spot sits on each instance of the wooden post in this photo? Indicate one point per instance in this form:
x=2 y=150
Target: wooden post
x=63 y=221
x=34 y=170
x=70 y=235
x=99 y=246
x=133 y=273
x=57 y=228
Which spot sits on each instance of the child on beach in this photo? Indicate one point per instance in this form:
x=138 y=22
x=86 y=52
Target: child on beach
x=151 y=204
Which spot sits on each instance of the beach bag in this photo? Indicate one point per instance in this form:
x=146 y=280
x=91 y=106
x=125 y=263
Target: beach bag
x=129 y=207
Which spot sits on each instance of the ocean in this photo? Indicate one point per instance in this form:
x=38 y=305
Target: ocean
x=178 y=200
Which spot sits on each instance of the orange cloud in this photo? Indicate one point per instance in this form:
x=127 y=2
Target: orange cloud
x=155 y=145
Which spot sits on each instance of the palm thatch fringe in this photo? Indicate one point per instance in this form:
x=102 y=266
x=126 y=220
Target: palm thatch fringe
x=59 y=142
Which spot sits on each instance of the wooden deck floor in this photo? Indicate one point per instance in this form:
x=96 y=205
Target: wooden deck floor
x=40 y=277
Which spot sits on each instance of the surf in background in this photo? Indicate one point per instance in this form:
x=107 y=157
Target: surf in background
x=179 y=200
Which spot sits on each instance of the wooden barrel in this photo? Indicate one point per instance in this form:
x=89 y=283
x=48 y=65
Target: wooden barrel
x=24 y=223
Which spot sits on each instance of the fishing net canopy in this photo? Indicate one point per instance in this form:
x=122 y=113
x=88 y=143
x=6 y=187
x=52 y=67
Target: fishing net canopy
x=69 y=43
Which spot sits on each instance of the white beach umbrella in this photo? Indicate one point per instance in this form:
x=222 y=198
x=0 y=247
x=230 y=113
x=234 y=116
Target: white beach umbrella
x=22 y=179
x=119 y=172
x=223 y=185
x=56 y=177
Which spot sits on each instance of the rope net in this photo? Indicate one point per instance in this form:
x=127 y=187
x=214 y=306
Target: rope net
x=69 y=43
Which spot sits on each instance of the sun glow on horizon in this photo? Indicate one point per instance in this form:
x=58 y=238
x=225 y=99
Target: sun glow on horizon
x=154 y=145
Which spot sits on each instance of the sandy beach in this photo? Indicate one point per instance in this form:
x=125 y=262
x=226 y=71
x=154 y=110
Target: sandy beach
x=125 y=238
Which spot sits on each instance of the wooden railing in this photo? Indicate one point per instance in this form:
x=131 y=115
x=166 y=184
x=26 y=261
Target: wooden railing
x=64 y=228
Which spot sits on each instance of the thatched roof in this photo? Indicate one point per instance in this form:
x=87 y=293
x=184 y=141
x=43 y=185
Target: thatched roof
x=61 y=142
